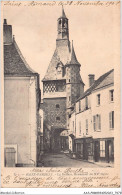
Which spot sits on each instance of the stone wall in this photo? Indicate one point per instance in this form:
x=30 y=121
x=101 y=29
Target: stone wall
x=54 y=120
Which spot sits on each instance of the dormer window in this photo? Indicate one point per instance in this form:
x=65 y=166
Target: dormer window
x=59 y=68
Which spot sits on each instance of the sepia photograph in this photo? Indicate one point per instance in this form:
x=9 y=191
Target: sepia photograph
x=60 y=71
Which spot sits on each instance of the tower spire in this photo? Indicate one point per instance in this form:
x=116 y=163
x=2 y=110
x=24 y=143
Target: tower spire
x=73 y=58
x=63 y=13
x=63 y=31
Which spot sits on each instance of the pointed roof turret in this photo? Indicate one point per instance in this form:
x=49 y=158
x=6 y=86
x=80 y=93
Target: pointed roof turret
x=73 y=58
x=63 y=15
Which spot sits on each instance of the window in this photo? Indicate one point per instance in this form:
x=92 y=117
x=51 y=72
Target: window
x=102 y=148
x=86 y=102
x=69 y=115
x=58 y=118
x=79 y=106
x=98 y=99
x=40 y=121
x=111 y=120
x=69 y=98
x=80 y=127
x=73 y=126
x=111 y=95
x=54 y=86
x=69 y=80
x=57 y=106
x=97 y=122
x=94 y=123
x=59 y=68
x=86 y=126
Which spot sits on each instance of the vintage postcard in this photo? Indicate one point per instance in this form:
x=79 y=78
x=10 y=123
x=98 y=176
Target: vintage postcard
x=60 y=94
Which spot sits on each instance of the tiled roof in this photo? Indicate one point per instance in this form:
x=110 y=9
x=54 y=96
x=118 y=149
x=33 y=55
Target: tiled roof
x=102 y=81
x=107 y=81
x=73 y=58
x=14 y=62
x=60 y=55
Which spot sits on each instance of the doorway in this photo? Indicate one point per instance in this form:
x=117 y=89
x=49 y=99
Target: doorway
x=96 y=151
x=109 y=151
x=85 y=150
x=10 y=157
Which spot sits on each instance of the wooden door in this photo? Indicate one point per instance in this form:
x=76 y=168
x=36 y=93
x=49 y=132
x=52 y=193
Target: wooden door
x=96 y=151
x=109 y=151
x=85 y=150
x=10 y=157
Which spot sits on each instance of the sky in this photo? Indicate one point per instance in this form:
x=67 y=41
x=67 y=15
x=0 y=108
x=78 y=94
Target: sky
x=94 y=29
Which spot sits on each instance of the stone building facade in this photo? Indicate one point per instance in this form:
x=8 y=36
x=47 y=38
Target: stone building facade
x=62 y=85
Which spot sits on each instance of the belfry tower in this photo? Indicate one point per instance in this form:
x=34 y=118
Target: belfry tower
x=62 y=85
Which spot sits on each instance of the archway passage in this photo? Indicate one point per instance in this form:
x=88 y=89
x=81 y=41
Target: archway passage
x=58 y=141
x=71 y=142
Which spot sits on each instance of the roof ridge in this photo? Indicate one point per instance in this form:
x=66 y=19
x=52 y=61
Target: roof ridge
x=95 y=84
x=104 y=75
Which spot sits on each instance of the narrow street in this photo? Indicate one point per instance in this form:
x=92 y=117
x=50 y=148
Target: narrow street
x=62 y=160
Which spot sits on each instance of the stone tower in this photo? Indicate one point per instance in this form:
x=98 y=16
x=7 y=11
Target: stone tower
x=74 y=83
x=62 y=85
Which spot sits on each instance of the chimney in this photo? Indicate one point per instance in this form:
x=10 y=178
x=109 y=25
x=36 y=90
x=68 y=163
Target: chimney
x=7 y=33
x=91 y=79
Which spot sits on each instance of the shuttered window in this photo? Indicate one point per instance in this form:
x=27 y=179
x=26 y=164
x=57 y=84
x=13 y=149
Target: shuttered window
x=97 y=122
x=98 y=99
x=111 y=95
x=94 y=123
x=80 y=127
x=111 y=120
x=86 y=126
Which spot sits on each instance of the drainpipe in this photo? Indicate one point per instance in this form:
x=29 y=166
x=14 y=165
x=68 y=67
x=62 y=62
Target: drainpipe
x=75 y=128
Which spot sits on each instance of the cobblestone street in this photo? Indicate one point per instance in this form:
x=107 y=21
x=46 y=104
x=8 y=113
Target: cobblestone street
x=62 y=160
